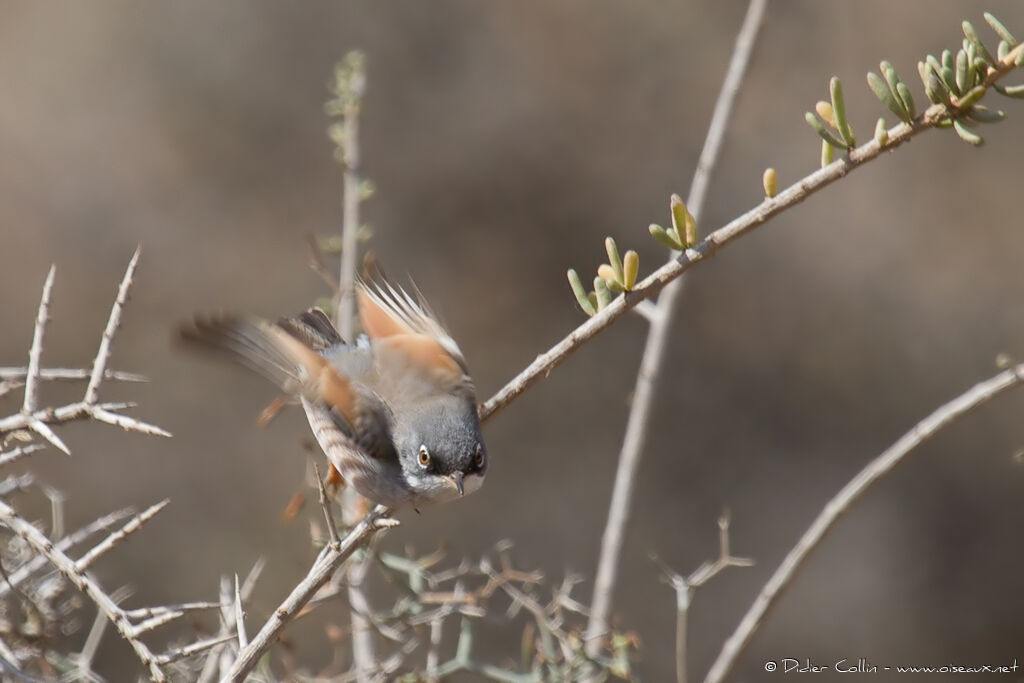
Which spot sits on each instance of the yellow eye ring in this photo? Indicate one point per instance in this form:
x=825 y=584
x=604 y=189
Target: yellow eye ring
x=424 y=456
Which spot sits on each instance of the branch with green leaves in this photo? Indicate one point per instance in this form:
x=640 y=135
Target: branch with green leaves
x=958 y=107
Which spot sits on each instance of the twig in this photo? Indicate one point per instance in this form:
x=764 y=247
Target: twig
x=195 y=648
x=16 y=484
x=35 y=351
x=39 y=420
x=92 y=641
x=107 y=544
x=148 y=612
x=898 y=135
x=99 y=365
x=325 y=503
x=349 y=88
x=657 y=341
x=218 y=657
x=81 y=580
x=13 y=373
x=942 y=417
x=37 y=562
x=71 y=412
x=16 y=454
x=686 y=586
x=321 y=571
x=354 y=86
x=243 y=638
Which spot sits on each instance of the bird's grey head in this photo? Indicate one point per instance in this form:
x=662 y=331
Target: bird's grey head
x=441 y=449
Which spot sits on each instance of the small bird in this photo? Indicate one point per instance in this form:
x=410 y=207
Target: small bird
x=395 y=413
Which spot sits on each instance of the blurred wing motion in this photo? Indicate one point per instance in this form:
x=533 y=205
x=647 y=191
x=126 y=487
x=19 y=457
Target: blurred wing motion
x=286 y=353
x=411 y=348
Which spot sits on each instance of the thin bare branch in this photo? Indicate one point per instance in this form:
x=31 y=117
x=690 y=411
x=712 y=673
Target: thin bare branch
x=81 y=580
x=686 y=586
x=657 y=342
x=39 y=420
x=218 y=661
x=153 y=623
x=243 y=638
x=13 y=373
x=147 y=612
x=179 y=653
x=118 y=536
x=355 y=87
x=99 y=365
x=349 y=88
x=16 y=454
x=16 y=484
x=38 y=562
x=321 y=571
x=325 y=503
x=942 y=417
x=129 y=424
x=31 y=401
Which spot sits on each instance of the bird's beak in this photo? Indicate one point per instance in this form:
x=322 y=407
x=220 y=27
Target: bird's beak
x=456 y=479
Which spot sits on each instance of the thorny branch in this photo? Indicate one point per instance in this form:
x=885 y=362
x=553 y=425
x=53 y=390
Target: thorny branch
x=24 y=582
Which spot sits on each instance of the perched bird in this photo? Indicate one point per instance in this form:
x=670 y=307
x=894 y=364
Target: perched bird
x=395 y=413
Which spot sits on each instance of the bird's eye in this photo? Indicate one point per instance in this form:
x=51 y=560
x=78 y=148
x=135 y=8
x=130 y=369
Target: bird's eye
x=479 y=459
x=424 y=456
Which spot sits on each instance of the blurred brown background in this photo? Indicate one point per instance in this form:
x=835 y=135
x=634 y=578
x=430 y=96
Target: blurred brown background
x=506 y=140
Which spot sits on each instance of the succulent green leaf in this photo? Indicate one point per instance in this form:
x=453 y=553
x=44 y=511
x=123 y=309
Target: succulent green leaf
x=1002 y=50
x=839 y=108
x=966 y=134
x=659 y=233
x=824 y=131
x=972 y=64
x=690 y=233
x=948 y=60
x=613 y=258
x=962 y=82
x=892 y=78
x=886 y=96
x=1015 y=91
x=604 y=295
x=949 y=80
x=972 y=36
x=605 y=272
x=932 y=86
x=881 y=133
x=678 y=216
x=827 y=154
x=770 y=182
x=998 y=27
x=630 y=269
x=983 y=114
x=906 y=99
x=971 y=96
x=581 y=295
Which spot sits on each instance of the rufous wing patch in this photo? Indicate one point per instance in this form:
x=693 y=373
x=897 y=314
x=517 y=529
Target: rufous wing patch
x=420 y=353
x=324 y=382
x=377 y=322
